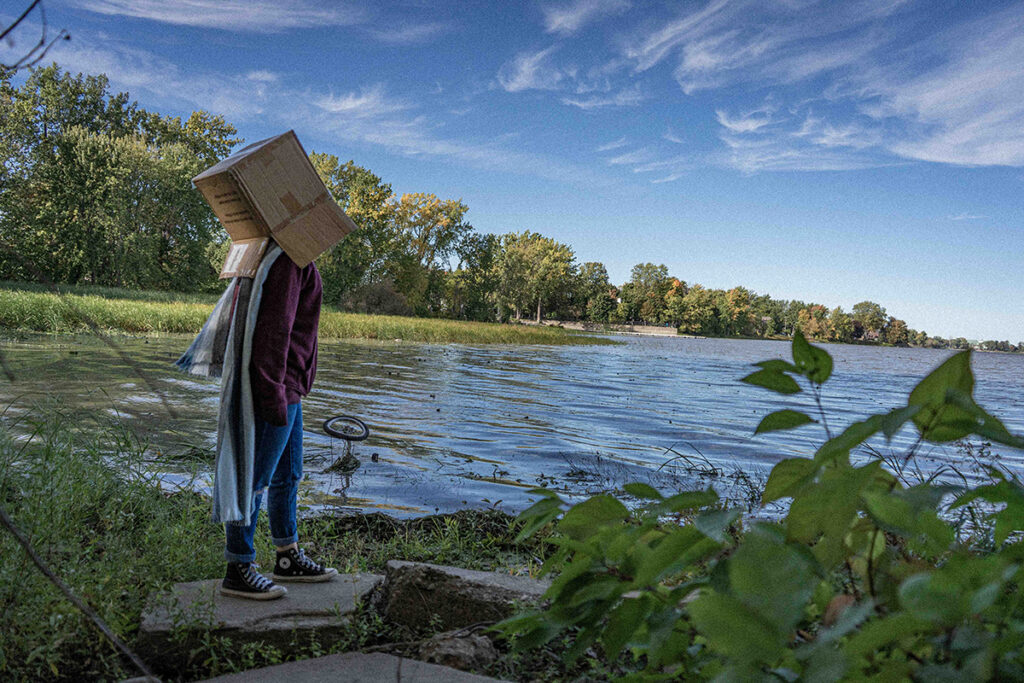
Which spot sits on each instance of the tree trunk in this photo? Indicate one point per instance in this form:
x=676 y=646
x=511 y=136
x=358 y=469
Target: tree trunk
x=538 y=310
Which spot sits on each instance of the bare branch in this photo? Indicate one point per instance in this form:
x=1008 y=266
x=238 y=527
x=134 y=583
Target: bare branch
x=39 y=51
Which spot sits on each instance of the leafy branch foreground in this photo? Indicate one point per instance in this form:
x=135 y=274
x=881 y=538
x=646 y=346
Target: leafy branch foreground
x=865 y=576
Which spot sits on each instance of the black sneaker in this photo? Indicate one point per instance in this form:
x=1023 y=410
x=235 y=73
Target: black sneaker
x=293 y=565
x=243 y=581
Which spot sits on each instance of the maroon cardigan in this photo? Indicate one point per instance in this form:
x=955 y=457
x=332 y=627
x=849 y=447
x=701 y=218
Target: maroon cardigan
x=284 y=343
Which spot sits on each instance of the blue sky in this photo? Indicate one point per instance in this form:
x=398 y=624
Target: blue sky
x=824 y=151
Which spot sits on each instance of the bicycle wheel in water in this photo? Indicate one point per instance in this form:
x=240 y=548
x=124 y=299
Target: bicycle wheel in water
x=347 y=427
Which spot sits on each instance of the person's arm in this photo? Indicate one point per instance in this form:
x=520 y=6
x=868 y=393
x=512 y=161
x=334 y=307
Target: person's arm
x=271 y=340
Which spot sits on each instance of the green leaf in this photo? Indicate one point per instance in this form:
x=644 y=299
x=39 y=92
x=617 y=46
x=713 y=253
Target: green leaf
x=894 y=420
x=715 y=524
x=812 y=362
x=688 y=500
x=938 y=420
x=859 y=432
x=776 y=365
x=623 y=622
x=772 y=577
x=896 y=512
x=672 y=554
x=585 y=518
x=782 y=419
x=638 y=490
x=821 y=514
x=776 y=381
x=787 y=477
x=985 y=425
x=734 y=630
x=891 y=629
x=538 y=515
x=1010 y=492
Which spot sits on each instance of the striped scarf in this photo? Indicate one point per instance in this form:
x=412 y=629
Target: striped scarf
x=223 y=348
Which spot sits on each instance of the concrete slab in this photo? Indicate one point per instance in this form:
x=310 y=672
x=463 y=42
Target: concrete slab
x=320 y=609
x=355 y=667
x=421 y=595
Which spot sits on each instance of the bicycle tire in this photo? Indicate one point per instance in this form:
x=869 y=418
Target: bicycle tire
x=351 y=428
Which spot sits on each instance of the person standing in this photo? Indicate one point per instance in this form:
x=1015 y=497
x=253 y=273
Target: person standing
x=282 y=369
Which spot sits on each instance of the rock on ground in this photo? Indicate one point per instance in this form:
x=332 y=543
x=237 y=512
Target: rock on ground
x=198 y=608
x=470 y=652
x=421 y=595
x=355 y=667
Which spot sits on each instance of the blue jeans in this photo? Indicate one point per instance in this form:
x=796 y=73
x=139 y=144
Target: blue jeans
x=277 y=467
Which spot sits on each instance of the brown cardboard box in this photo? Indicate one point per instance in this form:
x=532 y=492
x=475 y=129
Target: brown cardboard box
x=269 y=189
x=244 y=257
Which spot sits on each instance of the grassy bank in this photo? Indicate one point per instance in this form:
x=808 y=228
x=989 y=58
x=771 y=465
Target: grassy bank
x=34 y=308
x=78 y=489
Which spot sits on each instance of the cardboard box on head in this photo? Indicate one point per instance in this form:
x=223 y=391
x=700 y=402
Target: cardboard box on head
x=270 y=190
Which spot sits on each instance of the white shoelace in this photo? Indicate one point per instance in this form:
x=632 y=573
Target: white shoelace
x=255 y=579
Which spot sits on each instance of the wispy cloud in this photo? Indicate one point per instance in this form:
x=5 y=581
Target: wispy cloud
x=368 y=116
x=968 y=109
x=625 y=98
x=236 y=96
x=629 y=158
x=728 y=41
x=256 y=16
x=743 y=124
x=409 y=34
x=966 y=217
x=566 y=19
x=672 y=137
x=368 y=102
x=614 y=144
x=531 y=71
x=887 y=92
x=262 y=76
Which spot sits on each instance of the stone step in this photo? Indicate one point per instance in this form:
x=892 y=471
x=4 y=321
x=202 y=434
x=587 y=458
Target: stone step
x=421 y=595
x=198 y=608
x=355 y=667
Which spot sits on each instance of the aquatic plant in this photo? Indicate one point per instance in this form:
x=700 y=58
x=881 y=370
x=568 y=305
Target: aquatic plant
x=863 y=576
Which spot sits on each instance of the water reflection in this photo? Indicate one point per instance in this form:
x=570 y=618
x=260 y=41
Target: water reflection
x=456 y=426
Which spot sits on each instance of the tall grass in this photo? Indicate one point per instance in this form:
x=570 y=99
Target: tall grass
x=160 y=312
x=113 y=292
x=112 y=537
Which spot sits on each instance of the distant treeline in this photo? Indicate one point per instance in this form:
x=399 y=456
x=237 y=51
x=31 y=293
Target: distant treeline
x=96 y=190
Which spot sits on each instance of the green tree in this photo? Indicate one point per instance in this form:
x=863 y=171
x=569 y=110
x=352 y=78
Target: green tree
x=471 y=288
x=529 y=270
x=871 y=319
x=94 y=189
x=648 y=285
x=592 y=292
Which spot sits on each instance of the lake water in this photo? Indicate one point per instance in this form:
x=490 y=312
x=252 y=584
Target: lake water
x=456 y=426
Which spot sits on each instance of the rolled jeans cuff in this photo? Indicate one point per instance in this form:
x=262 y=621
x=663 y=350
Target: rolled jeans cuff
x=285 y=540
x=235 y=557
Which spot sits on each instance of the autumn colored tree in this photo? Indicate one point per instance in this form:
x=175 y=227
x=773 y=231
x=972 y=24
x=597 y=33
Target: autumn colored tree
x=697 y=312
x=895 y=332
x=840 y=326
x=813 y=321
